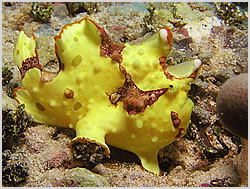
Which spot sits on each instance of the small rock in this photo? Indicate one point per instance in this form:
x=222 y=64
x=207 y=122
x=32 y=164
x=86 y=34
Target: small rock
x=86 y=178
x=61 y=11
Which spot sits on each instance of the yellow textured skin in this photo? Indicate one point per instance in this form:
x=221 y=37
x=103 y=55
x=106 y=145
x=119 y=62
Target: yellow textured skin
x=92 y=78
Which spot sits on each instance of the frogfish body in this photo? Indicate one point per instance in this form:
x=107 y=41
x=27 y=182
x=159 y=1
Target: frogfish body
x=121 y=95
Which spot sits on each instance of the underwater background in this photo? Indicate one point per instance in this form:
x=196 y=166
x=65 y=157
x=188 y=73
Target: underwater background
x=208 y=155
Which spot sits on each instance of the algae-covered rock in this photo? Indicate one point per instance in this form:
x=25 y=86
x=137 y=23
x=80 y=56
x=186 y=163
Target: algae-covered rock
x=242 y=163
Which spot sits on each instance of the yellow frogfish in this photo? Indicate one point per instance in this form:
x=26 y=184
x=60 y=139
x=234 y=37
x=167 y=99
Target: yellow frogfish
x=118 y=94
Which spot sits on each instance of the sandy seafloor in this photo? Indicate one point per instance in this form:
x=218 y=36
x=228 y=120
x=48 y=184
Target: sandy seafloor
x=37 y=154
